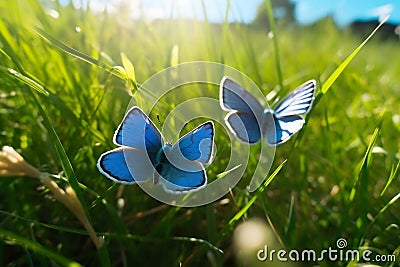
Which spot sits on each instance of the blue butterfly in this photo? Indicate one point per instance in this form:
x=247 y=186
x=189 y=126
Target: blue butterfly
x=142 y=154
x=249 y=121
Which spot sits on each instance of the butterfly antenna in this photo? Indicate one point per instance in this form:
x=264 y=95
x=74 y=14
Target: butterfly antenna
x=158 y=119
x=160 y=126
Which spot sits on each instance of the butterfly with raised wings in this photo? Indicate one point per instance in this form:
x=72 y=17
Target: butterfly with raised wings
x=249 y=121
x=143 y=155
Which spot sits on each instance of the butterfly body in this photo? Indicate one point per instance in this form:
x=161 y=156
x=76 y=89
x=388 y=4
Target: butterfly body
x=161 y=157
x=249 y=121
x=142 y=154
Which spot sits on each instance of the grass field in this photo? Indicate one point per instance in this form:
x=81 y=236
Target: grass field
x=62 y=97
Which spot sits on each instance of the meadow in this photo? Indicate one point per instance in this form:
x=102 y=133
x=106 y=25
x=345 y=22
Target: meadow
x=67 y=77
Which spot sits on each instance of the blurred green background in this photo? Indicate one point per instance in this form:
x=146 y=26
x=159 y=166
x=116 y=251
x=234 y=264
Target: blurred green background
x=58 y=70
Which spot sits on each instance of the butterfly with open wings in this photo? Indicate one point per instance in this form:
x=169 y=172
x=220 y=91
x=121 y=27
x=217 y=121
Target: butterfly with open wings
x=143 y=155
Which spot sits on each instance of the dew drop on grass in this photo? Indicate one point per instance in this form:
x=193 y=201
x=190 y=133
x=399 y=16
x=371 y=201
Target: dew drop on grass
x=121 y=203
x=53 y=13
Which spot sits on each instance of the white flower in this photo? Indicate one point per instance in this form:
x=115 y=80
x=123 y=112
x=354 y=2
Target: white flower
x=13 y=164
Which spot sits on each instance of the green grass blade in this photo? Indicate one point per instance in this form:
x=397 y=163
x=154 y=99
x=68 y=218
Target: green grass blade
x=36 y=247
x=104 y=257
x=69 y=173
x=200 y=241
x=254 y=198
x=390 y=203
x=362 y=173
x=392 y=175
x=328 y=83
x=130 y=72
x=212 y=232
x=22 y=75
x=62 y=155
x=28 y=81
x=73 y=52
x=291 y=223
x=174 y=57
x=380 y=213
x=45 y=225
x=67 y=49
x=222 y=174
x=271 y=20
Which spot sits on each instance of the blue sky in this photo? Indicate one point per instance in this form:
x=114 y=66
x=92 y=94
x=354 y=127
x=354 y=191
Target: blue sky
x=346 y=11
x=239 y=10
x=306 y=11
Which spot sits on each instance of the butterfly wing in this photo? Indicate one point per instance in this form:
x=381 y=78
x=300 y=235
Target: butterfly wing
x=232 y=96
x=197 y=145
x=286 y=115
x=284 y=128
x=183 y=171
x=125 y=165
x=244 y=126
x=190 y=176
x=245 y=116
x=138 y=131
x=298 y=102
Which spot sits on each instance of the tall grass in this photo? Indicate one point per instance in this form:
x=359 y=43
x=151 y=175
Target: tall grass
x=62 y=96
